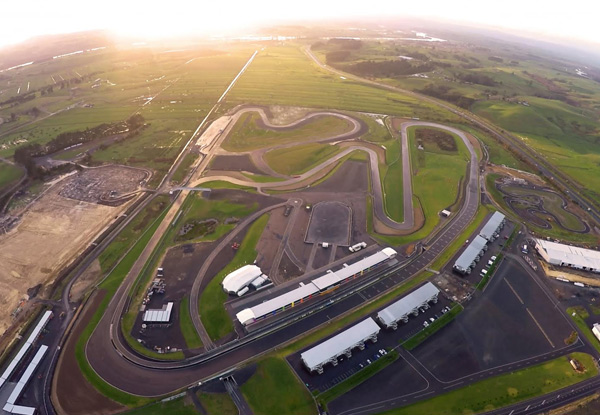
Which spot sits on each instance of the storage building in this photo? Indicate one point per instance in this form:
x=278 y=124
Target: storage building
x=568 y=256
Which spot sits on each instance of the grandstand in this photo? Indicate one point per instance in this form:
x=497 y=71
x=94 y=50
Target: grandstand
x=305 y=292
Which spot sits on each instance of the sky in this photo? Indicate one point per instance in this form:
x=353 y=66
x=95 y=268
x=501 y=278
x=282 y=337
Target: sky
x=155 y=19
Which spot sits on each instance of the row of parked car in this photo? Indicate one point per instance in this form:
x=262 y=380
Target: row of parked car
x=485 y=270
x=435 y=317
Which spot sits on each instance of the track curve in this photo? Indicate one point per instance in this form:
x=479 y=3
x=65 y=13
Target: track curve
x=110 y=357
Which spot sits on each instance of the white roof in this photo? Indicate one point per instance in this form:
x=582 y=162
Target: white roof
x=492 y=225
x=159 y=316
x=241 y=278
x=313 y=287
x=571 y=254
x=470 y=253
x=32 y=337
x=22 y=410
x=336 y=345
x=276 y=303
x=407 y=304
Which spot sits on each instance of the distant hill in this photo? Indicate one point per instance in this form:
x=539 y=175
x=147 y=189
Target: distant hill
x=45 y=47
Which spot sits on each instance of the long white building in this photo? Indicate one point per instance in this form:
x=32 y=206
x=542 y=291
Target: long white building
x=407 y=305
x=568 y=256
x=341 y=344
x=320 y=285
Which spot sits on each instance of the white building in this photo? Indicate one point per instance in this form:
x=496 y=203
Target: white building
x=568 y=256
x=596 y=330
x=242 y=278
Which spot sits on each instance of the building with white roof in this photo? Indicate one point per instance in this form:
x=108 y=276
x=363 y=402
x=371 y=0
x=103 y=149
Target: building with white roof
x=492 y=227
x=159 y=316
x=341 y=344
x=472 y=253
x=304 y=292
x=409 y=304
x=568 y=256
x=596 y=330
x=241 y=278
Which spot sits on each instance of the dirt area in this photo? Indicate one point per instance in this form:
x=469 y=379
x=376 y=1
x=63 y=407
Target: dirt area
x=72 y=393
x=553 y=272
x=280 y=115
x=428 y=137
x=92 y=274
x=103 y=184
x=453 y=287
x=520 y=174
x=213 y=132
x=234 y=163
x=270 y=239
x=287 y=269
x=50 y=235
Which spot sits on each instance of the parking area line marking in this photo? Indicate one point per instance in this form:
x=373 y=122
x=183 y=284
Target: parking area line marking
x=541 y=329
x=514 y=292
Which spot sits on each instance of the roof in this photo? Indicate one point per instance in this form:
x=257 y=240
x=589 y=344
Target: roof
x=159 y=316
x=470 y=253
x=407 y=304
x=336 y=345
x=25 y=348
x=318 y=284
x=241 y=278
x=276 y=303
x=568 y=254
x=492 y=225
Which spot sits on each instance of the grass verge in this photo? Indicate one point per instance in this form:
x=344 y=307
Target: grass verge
x=357 y=378
x=503 y=390
x=192 y=340
x=421 y=336
x=578 y=315
x=273 y=374
x=181 y=406
x=110 y=285
x=217 y=403
x=212 y=312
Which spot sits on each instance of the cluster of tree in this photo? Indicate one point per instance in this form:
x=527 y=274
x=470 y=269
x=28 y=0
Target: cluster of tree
x=26 y=154
x=496 y=59
x=388 y=69
x=476 y=78
x=447 y=94
x=342 y=43
x=18 y=99
x=337 y=56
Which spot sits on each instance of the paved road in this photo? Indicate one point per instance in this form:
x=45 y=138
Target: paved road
x=124 y=370
x=378 y=197
x=560 y=179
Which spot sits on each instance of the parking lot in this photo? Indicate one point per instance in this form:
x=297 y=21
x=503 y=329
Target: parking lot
x=387 y=340
x=511 y=321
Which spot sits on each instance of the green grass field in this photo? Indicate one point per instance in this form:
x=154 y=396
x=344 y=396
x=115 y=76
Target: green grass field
x=184 y=167
x=273 y=374
x=217 y=403
x=180 y=406
x=299 y=159
x=9 y=174
x=109 y=257
x=507 y=389
x=284 y=75
x=212 y=312
x=247 y=135
x=579 y=315
x=192 y=340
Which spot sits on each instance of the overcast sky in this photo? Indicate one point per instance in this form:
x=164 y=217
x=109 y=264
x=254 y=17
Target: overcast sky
x=23 y=19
